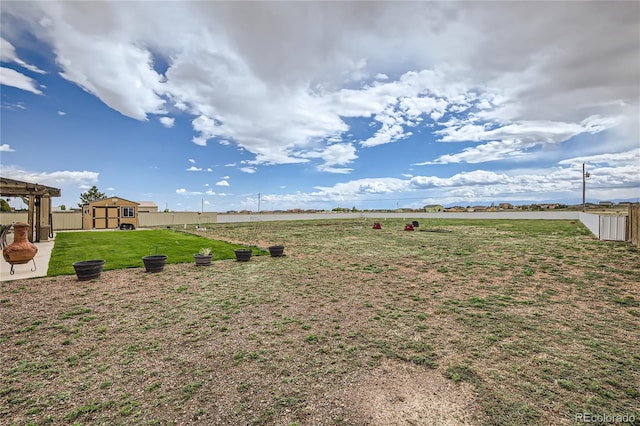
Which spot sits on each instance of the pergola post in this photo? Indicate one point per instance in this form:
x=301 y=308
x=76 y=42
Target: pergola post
x=30 y=217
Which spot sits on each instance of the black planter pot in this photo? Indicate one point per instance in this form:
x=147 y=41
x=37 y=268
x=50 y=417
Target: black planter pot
x=415 y=224
x=202 y=259
x=154 y=263
x=276 y=251
x=243 y=255
x=88 y=269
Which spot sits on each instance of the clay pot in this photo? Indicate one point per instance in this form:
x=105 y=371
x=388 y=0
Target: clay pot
x=21 y=250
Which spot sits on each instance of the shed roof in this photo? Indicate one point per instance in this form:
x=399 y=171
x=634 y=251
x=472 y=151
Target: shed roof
x=106 y=199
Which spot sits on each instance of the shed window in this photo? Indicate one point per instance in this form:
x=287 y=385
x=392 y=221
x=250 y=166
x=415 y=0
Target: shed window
x=128 y=212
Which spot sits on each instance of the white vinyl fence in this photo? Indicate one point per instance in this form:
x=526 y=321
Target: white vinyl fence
x=609 y=228
x=72 y=220
x=606 y=228
x=613 y=228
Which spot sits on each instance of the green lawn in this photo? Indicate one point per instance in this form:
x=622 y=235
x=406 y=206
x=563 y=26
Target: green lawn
x=125 y=249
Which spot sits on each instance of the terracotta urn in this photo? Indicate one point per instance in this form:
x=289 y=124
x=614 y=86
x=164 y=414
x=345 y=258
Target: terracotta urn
x=21 y=250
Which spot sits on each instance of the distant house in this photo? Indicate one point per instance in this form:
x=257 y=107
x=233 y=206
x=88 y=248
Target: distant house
x=147 y=207
x=110 y=213
x=433 y=208
x=456 y=209
x=505 y=206
x=605 y=204
x=548 y=206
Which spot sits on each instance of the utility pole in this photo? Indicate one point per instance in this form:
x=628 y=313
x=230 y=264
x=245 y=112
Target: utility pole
x=258 y=201
x=585 y=175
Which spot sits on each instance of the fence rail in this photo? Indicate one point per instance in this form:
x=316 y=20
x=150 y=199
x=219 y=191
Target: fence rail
x=68 y=221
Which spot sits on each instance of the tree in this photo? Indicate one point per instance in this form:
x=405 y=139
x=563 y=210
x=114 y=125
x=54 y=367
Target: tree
x=91 y=195
x=4 y=206
x=63 y=207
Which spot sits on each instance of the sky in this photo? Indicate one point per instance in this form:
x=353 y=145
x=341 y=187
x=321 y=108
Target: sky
x=242 y=105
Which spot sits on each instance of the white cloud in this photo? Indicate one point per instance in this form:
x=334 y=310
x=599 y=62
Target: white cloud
x=167 y=122
x=194 y=169
x=222 y=183
x=249 y=170
x=62 y=113
x=334 y=155
x=514 y=139
x=182 y=191
x=5 y=147
x=54 y=179
x=487 y=73
x=631 y=157
x=13 y=78
x=191 y=160
x=8 y=54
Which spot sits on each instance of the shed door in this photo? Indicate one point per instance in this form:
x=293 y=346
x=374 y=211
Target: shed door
x=106 y=217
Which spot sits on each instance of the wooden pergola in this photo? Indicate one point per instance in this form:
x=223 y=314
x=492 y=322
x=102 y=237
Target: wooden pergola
x=38 y=198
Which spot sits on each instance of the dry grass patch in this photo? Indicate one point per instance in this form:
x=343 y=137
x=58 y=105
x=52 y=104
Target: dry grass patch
x=495 y=322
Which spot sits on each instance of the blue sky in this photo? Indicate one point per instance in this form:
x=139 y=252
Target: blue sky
x=317 y=105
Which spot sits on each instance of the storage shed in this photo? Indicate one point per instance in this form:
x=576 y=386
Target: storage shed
x=110 y=213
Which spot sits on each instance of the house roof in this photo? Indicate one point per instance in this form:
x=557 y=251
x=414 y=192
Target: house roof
x=147 y=204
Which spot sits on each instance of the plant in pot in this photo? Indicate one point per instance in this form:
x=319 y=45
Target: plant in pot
x=276 y=250
x=243 y=255
x=203 y=257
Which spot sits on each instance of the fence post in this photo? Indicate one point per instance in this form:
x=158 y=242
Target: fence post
x=634 y=225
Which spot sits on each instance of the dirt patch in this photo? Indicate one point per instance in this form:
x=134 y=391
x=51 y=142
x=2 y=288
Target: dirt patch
x=399 y=393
